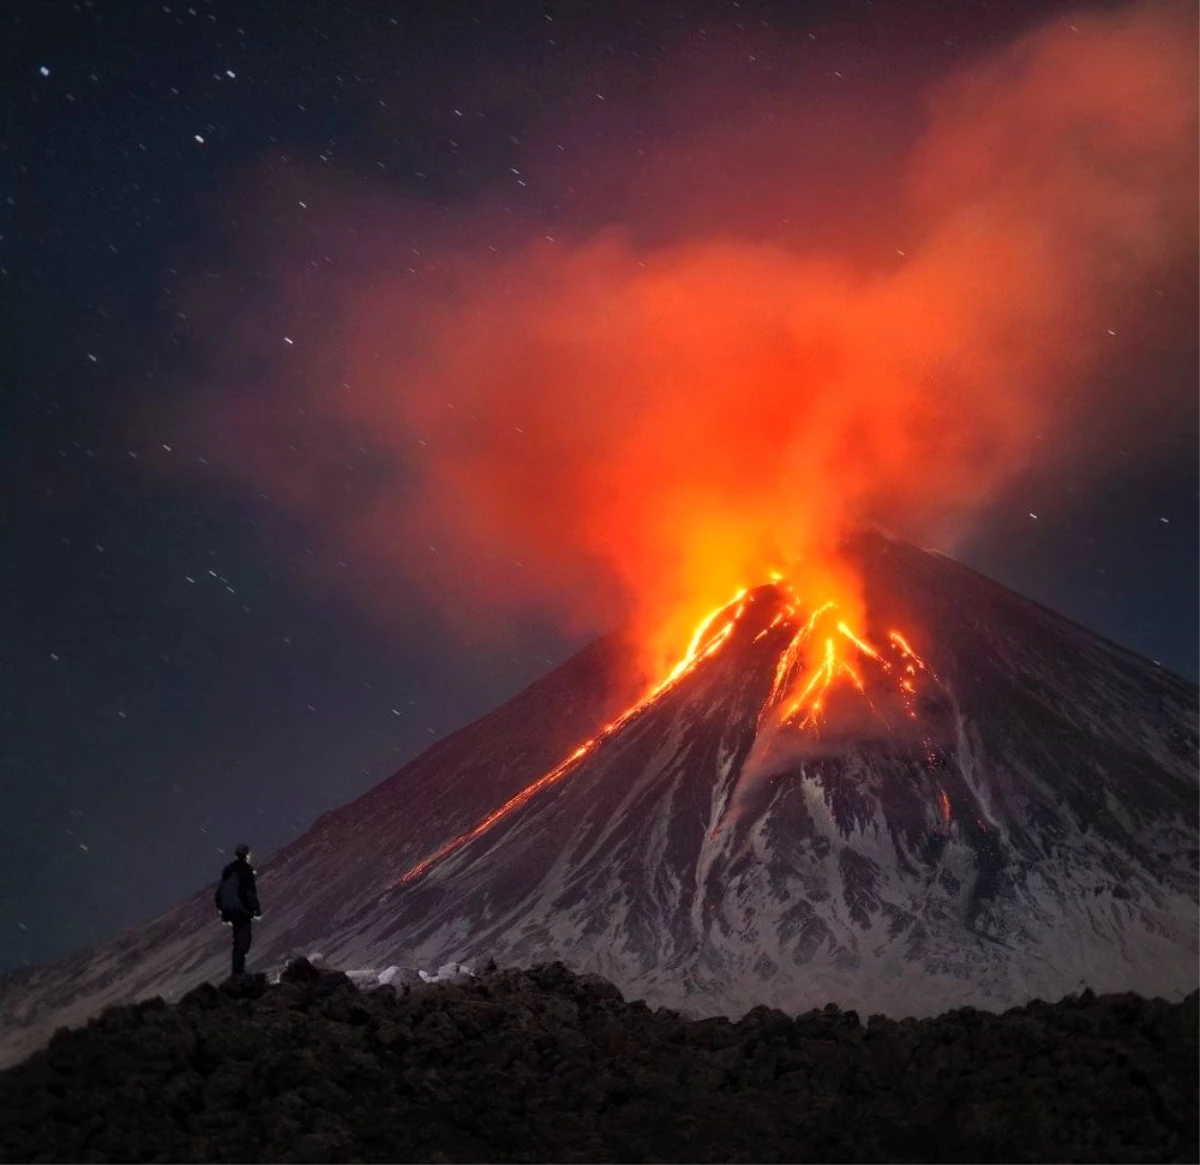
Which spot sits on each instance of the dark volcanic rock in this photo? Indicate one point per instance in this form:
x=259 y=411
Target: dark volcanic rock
x=544 y=1065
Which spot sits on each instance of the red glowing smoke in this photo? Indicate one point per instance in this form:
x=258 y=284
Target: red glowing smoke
x=601 y=426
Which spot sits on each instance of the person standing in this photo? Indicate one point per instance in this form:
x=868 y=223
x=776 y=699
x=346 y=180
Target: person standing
x=237 y=903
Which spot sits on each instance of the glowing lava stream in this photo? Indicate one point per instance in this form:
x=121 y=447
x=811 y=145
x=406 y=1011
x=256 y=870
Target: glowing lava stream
x=805 y=709
x=699 y=649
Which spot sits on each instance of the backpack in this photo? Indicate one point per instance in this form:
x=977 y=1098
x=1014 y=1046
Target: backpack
x=229 y=897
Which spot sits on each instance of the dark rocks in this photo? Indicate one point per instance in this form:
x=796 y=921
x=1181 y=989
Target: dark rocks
x=546 y=1065
x=301 y=972
x=245 y=986
x=201 y=998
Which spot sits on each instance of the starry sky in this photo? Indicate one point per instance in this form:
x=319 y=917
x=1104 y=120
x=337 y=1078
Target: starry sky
x=181 y=664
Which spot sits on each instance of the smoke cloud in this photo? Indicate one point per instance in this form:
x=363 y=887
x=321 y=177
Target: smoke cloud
x=661 y=376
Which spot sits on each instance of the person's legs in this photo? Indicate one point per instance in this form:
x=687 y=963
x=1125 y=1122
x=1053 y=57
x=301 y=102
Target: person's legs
x=241 y=945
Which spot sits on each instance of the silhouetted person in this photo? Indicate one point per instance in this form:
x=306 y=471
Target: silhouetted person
x=237 y=902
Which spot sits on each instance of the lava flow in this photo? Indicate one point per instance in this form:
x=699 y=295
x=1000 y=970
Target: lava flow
x=807 y=706
x=801 y=686
x=701 y=647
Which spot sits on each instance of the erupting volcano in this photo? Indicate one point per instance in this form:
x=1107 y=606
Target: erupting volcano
x=960 y=798
x=814 y=653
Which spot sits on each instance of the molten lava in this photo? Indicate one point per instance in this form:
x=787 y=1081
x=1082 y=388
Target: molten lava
x=806 y=692
x=701 y=647
x=803 y=679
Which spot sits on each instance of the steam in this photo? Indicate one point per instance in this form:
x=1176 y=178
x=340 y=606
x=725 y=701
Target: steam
x=633 y=422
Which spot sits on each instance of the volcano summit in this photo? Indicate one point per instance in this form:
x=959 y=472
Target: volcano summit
x=969 y=800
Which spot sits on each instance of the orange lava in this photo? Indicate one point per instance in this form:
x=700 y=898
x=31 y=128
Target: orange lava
x=701 y=647
x=804 y=709
x=837 y=659
x=811 y=700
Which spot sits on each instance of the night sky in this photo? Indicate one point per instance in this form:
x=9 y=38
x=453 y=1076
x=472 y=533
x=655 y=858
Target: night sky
x=183 y=664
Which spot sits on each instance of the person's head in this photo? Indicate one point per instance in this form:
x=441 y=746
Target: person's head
x=242 y=852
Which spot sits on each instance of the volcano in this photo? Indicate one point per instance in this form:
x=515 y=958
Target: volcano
x=971 y=801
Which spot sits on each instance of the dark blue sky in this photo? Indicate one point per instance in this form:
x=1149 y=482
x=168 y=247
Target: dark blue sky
x=171 y=681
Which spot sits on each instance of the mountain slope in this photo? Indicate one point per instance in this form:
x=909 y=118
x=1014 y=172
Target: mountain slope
x=1020 y=820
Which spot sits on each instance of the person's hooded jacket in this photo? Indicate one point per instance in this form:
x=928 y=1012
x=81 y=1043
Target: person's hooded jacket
x=246 y=905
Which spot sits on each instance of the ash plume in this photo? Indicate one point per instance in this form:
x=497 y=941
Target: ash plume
x=649 y=384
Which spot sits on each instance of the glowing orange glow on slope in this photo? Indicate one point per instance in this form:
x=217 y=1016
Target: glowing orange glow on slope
x=811 y=700
x=792 y=654
x=805 y=709
x=865 y=648
x=698 y=650
x=694 y=652
x=912 y=664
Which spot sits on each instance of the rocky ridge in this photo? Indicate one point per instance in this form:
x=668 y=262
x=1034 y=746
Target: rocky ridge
x=543 y=1064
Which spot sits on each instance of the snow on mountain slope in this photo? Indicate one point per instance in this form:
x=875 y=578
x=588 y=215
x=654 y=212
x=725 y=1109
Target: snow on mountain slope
x=1031 y=826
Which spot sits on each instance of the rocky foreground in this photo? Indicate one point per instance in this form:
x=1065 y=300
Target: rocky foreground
x=543 y=1065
